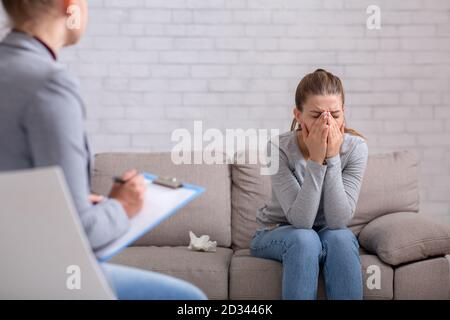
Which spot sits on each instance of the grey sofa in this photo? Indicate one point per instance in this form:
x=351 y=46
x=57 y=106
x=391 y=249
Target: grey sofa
x=403 y=253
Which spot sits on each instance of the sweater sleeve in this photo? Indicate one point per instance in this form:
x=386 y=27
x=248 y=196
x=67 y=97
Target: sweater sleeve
x=342 y=187
x=300 y=203
x=54 y=126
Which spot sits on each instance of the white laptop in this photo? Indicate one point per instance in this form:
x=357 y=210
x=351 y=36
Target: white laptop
x=44 y=253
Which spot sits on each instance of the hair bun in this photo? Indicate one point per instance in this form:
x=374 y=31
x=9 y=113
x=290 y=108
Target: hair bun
x=320 y=70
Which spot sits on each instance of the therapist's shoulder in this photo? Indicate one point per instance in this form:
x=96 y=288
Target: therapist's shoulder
x=57 y=95
x=37 y=77
x=56 y=76
x=44 y=73
x=53 y=78
x=29 y=67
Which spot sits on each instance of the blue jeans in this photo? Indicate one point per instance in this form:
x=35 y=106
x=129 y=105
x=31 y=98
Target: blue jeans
x=303 y=251
x=135 y=284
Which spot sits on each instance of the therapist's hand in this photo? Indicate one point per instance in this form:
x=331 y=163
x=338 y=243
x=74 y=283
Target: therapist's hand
x=95 y=199
x=131 y=194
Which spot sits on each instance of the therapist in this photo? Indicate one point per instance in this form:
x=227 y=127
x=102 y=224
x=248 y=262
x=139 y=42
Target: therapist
x=42 y=124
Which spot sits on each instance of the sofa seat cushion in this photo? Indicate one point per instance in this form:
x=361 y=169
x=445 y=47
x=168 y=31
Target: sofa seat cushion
x=423 y=280
x=405 y=237
x=209 y=214
x=208 y=271
x=256 y=278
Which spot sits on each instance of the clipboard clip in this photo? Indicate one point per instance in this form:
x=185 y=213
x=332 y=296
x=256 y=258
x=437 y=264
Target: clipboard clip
x=170 y=182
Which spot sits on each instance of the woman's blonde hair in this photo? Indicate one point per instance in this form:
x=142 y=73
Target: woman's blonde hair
x=23 y=11
x=320 y=82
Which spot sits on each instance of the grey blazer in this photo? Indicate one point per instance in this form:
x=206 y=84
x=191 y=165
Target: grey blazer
x=42 y=124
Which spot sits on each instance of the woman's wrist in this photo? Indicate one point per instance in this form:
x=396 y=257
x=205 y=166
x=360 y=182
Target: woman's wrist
x=331 y=161
x=332 y=156
x=318 y=161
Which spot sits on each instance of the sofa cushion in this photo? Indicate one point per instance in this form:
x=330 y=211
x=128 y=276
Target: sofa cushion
x=428 y=279
x=210 y=214
x=375 y=288
x=249 y=191
x=256 y=278
x=390 y=184
x=208 y=271
x=404 y=237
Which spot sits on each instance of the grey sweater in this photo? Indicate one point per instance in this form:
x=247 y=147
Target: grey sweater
x=42 y=124
x=307 y=194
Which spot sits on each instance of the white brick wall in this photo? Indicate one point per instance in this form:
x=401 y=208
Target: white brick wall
x=150 y=66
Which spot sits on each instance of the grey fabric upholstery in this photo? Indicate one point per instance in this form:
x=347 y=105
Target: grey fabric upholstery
x=405 y=237
x=208 y=271
x=255 y=278
x=227 y=212
x=208 y=214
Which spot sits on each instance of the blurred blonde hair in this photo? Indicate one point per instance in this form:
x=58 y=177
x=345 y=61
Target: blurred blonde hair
x=24 y=11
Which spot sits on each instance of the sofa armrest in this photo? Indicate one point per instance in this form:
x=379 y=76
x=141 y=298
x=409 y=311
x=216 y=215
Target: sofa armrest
x=405 y=237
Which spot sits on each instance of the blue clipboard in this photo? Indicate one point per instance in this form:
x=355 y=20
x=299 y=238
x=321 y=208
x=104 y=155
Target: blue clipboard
x=106 y=253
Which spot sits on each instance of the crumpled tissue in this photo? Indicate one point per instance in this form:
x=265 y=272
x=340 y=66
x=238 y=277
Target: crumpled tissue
x=201 y=243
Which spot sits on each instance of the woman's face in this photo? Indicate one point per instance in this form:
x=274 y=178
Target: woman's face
x=316 y=105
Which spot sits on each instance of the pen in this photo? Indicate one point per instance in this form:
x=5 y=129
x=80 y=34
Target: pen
x=119 y=180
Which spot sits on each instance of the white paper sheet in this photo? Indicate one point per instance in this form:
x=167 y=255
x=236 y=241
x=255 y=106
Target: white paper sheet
x=160 y=203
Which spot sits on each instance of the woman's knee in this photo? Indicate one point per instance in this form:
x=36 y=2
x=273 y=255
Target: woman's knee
x=304 y=239
x=338 y=238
